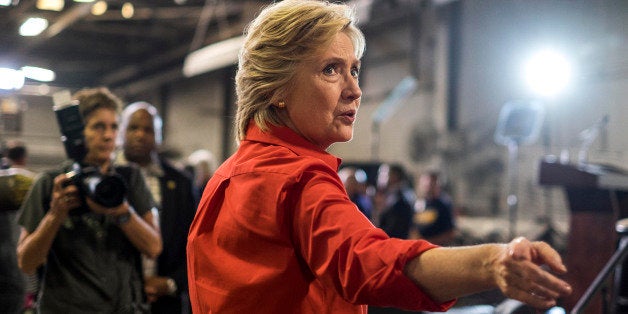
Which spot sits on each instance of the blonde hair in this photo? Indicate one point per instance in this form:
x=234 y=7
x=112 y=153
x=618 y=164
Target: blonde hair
x=281 y=36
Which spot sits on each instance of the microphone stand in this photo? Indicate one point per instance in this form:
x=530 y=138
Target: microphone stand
x=614 y=262
x=512 y=199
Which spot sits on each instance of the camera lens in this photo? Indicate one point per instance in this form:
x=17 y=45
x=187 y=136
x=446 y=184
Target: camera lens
x=109 y=191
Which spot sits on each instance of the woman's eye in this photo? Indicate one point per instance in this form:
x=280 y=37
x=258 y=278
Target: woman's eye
x=98 y=127
x=355 y=72
x=330 y=69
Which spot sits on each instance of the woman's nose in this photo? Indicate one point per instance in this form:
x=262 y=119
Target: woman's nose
x=111 y=132
x=352 y=90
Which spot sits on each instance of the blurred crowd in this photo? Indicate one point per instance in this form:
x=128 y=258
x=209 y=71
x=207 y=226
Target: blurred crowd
x=403 y=205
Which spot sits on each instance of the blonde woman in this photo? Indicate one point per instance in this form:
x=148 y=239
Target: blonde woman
x=275 y=231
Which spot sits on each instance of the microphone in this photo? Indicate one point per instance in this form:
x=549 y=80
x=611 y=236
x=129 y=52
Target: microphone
x=588 y=135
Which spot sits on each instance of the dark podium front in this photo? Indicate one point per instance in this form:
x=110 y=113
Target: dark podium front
x=597 y=196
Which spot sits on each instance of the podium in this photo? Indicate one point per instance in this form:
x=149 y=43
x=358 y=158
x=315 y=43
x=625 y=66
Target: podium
x=597 y=196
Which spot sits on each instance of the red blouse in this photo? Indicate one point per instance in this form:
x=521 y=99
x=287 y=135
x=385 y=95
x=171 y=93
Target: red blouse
x=276 y=233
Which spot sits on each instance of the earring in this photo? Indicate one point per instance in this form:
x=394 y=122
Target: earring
x=281 y=104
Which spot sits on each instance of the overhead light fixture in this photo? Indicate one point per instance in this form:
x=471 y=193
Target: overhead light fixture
x=50 y=5
x=213 y=57
x=33 y=26
x=38 y=74
x=6 y=3
x=11 y=79
x=85 y=1
x=99 y=8
x=127 y=10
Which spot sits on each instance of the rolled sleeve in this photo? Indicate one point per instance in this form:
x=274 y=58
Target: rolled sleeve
x=346 y=251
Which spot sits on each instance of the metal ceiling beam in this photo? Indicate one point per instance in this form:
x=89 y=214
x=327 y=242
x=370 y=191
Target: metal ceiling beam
x=121 y=76
x=68 y=18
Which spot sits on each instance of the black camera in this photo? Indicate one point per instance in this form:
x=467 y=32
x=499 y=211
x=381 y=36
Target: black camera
x=109 y=189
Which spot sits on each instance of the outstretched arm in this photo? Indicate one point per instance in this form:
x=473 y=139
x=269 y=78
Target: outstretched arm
x=516 y=268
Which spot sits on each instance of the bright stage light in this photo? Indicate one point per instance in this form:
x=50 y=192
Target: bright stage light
x=547 y=73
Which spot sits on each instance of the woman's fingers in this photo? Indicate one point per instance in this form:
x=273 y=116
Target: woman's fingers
x=524 y=277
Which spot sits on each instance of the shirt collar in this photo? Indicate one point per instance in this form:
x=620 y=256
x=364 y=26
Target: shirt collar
x=284 y=136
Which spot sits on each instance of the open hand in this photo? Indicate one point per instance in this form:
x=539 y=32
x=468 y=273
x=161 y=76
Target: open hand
x=522 y=273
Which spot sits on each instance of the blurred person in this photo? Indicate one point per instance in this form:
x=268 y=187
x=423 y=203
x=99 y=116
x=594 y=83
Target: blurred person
x=275 y=231
x=395 y=201
x=203 y=164
x=12 y=284
x=434 y=217
x=17 y=292
x=172 y=189
x=355 y=182
x=21 y=178
x=91 y=252
x=17 y=156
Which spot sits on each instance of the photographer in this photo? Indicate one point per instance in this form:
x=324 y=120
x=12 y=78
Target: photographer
x=90 y=249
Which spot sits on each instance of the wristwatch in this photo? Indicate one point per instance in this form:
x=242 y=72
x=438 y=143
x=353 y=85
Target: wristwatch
x=122 y=219
x=172 y=286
